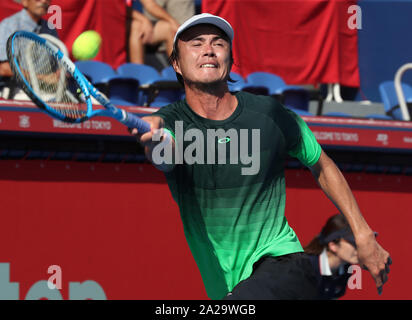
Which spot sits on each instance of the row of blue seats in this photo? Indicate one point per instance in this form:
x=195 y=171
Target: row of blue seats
x=139 y=84
x=297 y=98
x=133 y=84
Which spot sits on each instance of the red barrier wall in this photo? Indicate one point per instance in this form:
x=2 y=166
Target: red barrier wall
x=116 y=224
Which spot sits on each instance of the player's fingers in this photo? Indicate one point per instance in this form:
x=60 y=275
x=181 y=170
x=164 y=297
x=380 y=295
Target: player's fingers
x=132 y=131
x=380 y=289
x=387 y=269
x=135 y=132
x=157 y=134
x=146 y=138
x=384 y=276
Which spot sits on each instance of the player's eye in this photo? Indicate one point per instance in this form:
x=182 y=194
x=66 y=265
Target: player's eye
x=196 y=43
x=219 y=43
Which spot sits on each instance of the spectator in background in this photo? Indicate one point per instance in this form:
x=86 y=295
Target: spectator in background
x=332 y=252
x=28 y=19
x=143 y=31
x=180 y=10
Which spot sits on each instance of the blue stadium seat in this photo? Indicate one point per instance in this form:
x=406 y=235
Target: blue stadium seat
x=275 y=84
x=165 y=92
x=390 y=99
x=238 y=84
x=168 y=73
x=294 y=97
x=297 y=100
x=145 y=74
x=96 y=71
x=124 y=91
x=167 y=89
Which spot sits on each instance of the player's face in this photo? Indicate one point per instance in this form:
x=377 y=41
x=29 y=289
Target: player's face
x=347 y=252
x=36 y=8
x=204 y=55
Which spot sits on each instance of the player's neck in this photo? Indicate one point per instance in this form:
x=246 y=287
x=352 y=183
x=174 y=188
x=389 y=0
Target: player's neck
x=211 y=104
x=334 y=261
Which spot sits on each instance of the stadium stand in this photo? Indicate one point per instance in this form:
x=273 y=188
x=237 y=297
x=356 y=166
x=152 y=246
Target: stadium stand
x=98 y=73
x=145 y=74
x=294 y=97
x=168 y=73
x=390 y=98
x=238 y=82
x=124 y=91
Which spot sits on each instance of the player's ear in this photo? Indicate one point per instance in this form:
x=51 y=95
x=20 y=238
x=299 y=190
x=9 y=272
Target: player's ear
x=333 y=247
x=176 y=66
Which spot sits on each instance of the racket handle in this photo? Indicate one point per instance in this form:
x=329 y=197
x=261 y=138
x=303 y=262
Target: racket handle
x=132 y=121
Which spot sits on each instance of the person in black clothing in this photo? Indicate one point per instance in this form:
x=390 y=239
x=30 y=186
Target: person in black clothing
x=332 y=252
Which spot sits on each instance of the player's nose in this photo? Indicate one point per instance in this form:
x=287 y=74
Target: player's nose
x=208 y=50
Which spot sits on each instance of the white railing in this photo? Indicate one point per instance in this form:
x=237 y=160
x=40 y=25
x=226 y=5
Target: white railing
x=399 y=91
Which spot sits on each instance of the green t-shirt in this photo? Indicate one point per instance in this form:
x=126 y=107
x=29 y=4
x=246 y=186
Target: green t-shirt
x=232 y=219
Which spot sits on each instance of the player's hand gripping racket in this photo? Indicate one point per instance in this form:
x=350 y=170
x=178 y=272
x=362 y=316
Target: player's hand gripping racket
x=55 y=84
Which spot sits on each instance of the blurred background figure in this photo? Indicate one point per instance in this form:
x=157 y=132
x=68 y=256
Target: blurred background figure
x=28 y=19
x=180 y=10
x=332 y=252
x=159 y=29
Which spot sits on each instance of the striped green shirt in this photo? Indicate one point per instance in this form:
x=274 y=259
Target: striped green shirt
x=231 y=219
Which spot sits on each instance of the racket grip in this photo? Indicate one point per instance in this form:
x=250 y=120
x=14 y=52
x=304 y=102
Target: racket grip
x=132 y=121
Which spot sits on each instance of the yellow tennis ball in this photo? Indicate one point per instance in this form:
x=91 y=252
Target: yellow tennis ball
x=87 y=45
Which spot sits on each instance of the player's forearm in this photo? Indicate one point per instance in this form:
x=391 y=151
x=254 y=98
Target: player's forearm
x=336 y=188
x=161 y=153
x=159 y=144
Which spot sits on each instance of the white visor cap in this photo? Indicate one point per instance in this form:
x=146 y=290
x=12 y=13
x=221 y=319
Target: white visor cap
x=206 y=18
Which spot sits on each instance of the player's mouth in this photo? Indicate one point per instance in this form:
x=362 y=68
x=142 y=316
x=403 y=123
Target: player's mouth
x=208 y=65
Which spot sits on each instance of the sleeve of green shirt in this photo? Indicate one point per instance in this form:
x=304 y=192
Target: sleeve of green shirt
x=168 y=115
x=307 y=150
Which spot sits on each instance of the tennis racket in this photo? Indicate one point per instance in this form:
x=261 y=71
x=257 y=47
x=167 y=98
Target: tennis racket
x=55 y=85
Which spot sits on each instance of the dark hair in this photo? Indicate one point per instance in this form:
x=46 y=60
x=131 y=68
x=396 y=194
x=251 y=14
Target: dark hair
x=175 y=55
x=335 y=223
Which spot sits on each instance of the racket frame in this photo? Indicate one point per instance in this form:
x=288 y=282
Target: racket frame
x=85 y=86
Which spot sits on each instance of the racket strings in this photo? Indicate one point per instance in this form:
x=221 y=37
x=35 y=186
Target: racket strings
x=49 y=79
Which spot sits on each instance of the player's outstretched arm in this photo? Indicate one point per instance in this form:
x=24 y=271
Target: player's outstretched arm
x=371 y=255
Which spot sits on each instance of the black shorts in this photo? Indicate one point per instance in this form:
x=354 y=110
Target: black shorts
x=288 y=277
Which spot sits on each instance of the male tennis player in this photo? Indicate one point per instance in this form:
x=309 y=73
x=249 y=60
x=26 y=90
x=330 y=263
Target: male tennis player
x=234 y=223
